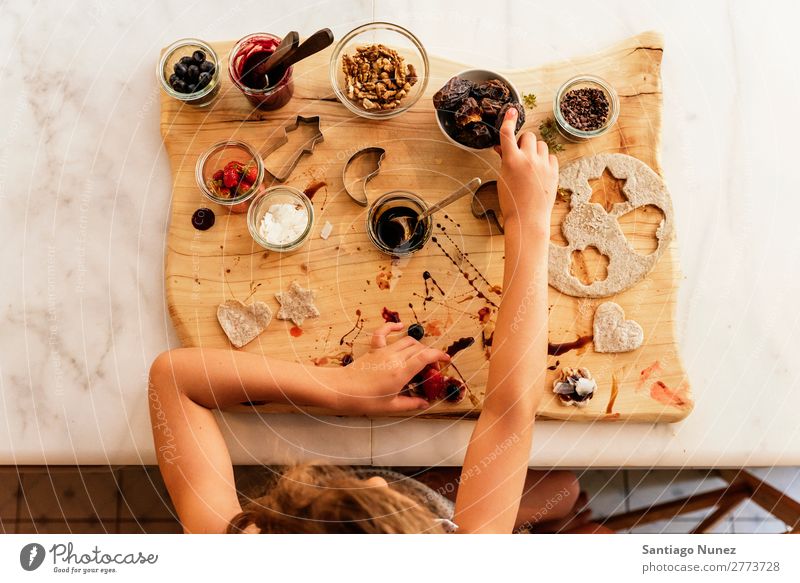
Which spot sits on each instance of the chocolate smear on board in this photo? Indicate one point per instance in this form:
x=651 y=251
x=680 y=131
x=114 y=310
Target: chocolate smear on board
x=459 y=345
x=356 y=329
x=554 y=349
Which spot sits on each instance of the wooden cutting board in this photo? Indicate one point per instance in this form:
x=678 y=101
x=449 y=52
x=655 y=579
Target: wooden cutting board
x=354 y=282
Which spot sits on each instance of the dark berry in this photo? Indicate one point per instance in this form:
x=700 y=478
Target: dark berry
x=203 y=80
x=193 y=72
x=172 y=79
x=187 y=61
x=203 y=219
x=416 y=331
x=207 y=67
x=179 y=86
x=181 y=70
x=191 y=88
x=347 y=359
x=198 y=56
x=452 y=392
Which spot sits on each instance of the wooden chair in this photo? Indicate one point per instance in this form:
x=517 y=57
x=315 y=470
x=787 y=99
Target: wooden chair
x=742 y=485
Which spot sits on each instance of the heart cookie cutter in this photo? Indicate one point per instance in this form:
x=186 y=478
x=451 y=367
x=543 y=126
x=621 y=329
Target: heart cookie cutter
x=486 y=204
x=307 y=148
x=360 y=197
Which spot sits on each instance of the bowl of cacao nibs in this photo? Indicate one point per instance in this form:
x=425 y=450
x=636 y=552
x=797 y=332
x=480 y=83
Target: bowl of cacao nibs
x=189 y=72
x=471 y=106
x=585 y=107
x=379 y=70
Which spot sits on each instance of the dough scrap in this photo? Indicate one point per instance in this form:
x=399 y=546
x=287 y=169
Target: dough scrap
x=612 y=332
x=242 y=323
x=588 y=224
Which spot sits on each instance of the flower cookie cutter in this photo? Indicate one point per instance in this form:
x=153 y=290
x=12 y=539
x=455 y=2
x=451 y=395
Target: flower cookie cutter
x=307 y=147
x=360 y=196
x=486 y=204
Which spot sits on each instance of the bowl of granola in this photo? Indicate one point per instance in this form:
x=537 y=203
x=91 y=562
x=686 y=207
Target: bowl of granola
x=379 y=70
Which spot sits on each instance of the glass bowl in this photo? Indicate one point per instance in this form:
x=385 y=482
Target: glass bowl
x=476 y=76
x=184 y=48
x=214 y=159
x=387 y=202
x=394 y=37
x=580 y=82
x=278 y=195
x=276 y=95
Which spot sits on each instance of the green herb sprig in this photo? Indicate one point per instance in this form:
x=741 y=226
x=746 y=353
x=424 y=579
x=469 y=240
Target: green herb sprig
x=549 y=133
x=529 y=99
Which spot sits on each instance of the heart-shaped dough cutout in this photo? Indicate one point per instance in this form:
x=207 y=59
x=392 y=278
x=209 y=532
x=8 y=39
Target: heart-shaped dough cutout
x=242 y=323
x=612 y=332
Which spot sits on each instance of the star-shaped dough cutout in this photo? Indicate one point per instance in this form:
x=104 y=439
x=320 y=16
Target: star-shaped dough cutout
x=297 y=304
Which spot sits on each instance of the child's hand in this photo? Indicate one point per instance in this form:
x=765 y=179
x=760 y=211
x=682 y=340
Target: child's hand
x=528 y=178
x=372 y=382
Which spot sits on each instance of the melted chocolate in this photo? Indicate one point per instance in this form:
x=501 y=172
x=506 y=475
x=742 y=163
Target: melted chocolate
x=459 y=345
x=562 y=347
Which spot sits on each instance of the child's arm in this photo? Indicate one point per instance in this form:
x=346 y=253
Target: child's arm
x=186 y=384
x=496 y=462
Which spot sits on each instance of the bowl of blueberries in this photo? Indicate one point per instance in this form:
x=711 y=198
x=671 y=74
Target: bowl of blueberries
x=189 y=72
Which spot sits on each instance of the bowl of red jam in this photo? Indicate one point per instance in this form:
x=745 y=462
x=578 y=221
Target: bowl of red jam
x=245 y=67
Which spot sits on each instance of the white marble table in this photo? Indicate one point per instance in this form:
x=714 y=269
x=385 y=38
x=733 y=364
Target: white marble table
x=85 y=186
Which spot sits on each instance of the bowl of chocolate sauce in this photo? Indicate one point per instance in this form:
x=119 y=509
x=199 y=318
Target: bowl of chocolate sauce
x=387 y=234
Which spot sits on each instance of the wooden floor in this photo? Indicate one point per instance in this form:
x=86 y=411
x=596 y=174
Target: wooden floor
x=133 y=499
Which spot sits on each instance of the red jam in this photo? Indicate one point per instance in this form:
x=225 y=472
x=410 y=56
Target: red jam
x=246 y=71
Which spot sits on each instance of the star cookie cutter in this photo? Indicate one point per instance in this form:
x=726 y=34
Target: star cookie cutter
x=486 y=204
x=307 y=148
x=360 y=197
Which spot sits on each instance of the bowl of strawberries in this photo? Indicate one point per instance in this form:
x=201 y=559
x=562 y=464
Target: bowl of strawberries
x=230 y=173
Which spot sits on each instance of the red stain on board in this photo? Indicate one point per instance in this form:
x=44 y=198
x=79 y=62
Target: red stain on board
x=647 y=373
x=382 y=279
x=389 y=315
x=666 y=396
x=433 y=328
x=296 y=331
x=484 y=315
x=312 y=188
x=614 y=393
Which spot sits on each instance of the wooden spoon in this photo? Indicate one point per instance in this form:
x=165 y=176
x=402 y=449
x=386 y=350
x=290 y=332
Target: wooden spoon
x=313 y=44
x=287 y=47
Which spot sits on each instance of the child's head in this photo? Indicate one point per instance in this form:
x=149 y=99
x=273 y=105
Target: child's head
x=326 y=499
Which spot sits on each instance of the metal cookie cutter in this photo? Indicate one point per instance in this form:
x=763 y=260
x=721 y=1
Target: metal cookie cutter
x=308 y=147
x=486 y=204
x=360 y=196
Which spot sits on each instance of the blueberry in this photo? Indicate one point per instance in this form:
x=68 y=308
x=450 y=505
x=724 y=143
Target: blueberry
x=191 y=88
x=452 y=392
x=187 y=61
x=172 y=79
x=203 y=80
x=179 y=86
x=181 y=70
x=203 y=219
x=416 y=331
x=194 y=71
x=198 y=56
x=207 y=67
x=347 y=359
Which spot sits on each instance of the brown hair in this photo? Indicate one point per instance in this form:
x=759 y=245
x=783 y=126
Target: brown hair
x=310 y=499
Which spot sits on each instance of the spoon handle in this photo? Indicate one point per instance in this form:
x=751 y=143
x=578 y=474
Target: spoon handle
x=468 y=188
x=313 y=44
x=286 y=47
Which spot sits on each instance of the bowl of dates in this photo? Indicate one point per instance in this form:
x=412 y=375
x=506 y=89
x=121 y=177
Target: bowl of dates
x=188 y=71
x=470 y=108
x=379 y=70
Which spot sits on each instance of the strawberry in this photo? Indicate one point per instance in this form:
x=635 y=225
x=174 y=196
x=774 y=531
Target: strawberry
x=217 y=175
x=224 y=192
x=234 y=165
x=230 y=177
x=433 y=384
x=250 y=173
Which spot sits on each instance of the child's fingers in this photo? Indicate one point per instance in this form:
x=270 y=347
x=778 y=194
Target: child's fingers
x=405 y=403
x=420 y=359
x=527 y=142
x=379 y=336
x=508 y=142
x=541 y=147
x=554 y=162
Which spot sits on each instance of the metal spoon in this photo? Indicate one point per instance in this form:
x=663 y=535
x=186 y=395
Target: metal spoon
x=409 y=224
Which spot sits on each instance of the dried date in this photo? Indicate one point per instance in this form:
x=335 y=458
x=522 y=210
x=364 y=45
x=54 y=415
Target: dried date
x=452 y=94
x=468 y=112
x=476 y=135
x=502 y=114
x=492 y=89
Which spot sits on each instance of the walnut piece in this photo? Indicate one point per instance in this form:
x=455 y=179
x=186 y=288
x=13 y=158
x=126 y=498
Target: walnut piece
x=377 y=78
